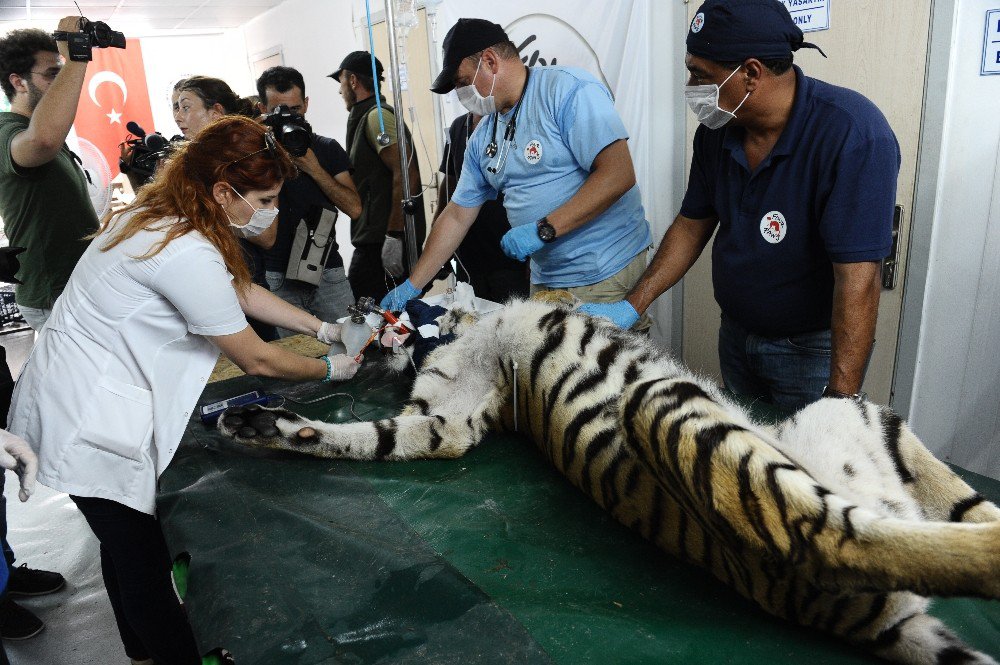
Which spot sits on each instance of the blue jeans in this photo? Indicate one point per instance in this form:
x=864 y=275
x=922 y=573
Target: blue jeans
x=327 y=301
x=788 y=372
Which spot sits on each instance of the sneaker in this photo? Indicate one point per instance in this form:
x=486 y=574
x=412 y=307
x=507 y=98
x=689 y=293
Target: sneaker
x=26 y=581
x=18 y=623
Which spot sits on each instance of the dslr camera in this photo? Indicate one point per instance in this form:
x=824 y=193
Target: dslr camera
x=291 y=130
x=93 y=34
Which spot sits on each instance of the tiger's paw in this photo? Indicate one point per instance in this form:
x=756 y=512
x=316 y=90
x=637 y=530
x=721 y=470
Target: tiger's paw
x=259 y=426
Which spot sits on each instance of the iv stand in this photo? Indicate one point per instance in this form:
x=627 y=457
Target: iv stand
x=409 y=205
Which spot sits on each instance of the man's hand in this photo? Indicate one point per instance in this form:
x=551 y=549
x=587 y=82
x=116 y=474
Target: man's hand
x=621 y=313
x=521 y=242
x=396 y=300
x=67 y=24
x=392 y=256
x=308 y=163
x=17 y=455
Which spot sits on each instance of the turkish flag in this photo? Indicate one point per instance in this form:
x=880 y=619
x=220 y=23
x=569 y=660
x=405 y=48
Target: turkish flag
x=114 y=92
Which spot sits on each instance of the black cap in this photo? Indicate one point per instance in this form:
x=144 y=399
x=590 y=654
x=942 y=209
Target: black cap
x=734 y=30
x=467 y=36
x=359 y=62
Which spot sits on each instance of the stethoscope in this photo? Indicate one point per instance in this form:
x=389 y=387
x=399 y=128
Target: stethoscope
x=501 y=152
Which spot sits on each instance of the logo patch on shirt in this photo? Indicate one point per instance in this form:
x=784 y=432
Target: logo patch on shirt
x=773 y=226
x=533 y=152
x=698 y=23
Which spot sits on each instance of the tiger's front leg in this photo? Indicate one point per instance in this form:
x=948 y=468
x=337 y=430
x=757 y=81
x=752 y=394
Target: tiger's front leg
x=399 y=438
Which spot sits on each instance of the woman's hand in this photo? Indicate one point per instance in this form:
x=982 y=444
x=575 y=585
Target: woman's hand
x=343 y=367
x=329 y=333
x=17 y=455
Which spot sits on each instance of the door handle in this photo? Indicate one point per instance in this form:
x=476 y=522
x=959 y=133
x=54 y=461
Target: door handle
x=890 y=264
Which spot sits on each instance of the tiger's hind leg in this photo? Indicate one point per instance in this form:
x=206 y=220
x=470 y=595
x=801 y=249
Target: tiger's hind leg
x=941 y=493
x=753 y=499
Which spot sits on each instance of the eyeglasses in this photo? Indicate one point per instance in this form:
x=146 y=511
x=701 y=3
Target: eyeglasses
x=270 y=147
x=47 y=75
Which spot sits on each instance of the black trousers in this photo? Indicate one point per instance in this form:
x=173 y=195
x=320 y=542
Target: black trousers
x=366 y=275
x=136 y=566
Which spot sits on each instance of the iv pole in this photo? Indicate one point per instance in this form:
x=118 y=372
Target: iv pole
x=409 y=205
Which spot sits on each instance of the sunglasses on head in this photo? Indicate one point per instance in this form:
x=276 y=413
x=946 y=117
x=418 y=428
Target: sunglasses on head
x=270 y=147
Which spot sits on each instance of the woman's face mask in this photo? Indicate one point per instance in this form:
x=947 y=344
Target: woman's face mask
x=704 y=102
x=470 y=98
x=260 y=220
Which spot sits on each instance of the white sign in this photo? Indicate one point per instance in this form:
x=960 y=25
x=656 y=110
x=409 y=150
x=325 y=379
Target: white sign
x=991 y=44
x=809 y=15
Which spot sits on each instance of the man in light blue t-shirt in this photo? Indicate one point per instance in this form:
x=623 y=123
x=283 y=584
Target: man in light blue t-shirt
x=552 y=142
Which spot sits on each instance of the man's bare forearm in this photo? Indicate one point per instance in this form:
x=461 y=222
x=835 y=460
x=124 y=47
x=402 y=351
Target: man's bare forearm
x=855 y=312
x=612 y=175
x=446 y=235
x=681 y=246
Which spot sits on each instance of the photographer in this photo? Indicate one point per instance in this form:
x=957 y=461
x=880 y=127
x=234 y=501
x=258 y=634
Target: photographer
x=304 y=267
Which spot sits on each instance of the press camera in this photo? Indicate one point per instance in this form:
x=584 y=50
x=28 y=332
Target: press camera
x=291 y=130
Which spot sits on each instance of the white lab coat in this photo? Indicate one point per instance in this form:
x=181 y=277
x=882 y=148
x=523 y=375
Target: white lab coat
x=109 y=387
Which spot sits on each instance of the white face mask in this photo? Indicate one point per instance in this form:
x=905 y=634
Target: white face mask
x=704 y=102
x=260 y=220
x=470 y=98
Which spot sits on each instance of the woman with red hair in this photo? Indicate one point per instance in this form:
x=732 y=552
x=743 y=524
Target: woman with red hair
x=114 y=376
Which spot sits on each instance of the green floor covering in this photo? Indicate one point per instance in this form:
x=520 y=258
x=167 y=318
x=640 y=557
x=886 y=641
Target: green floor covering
x=492 y=558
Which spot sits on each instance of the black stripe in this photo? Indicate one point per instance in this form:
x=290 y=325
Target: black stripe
x=606 y=358
x=572 y=432
x=635 y=401
x=891 y=635
x=435 y=438
x=632 y=479
x=891 y=429
x=656 y=516
x=588 y=383
x=554 y=339
x=682 y=533
x=421 y=404
x=837 y=613
x=877 y=607
x=601 y=442
x=863 y=408
x=553 y=398
x=609 y=481
x=848 y=526
x=707 y=442
x=751 y=504
x=553 y=318
x=434 y=371
x=772 y=484
x=810 y=597
x=955 y=655
x=588 y=334
x=631 y=373
x=819 y=523
x=684 y=391
x=959 y=510
x=386 y=431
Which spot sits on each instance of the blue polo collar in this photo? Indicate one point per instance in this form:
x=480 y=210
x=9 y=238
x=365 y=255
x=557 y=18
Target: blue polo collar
x=790 y=136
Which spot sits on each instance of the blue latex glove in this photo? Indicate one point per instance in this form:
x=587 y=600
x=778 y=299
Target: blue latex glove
x=521 y=242
x=621 y=313
x=396 y=299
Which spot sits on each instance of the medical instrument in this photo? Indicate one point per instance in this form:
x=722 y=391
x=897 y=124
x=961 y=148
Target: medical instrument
x=210 y=412
x=501 y=152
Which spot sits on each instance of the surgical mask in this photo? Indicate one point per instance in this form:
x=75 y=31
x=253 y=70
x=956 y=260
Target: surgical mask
x=470 y=98
x=704 y=102
x=260 y=221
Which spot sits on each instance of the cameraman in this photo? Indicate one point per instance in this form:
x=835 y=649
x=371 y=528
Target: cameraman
x=43 y=193
x=324 y=183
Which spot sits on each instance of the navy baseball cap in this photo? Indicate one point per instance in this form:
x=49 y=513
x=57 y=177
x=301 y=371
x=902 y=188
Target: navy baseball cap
x=359 y=62
x=466 y=37
x=734 y=30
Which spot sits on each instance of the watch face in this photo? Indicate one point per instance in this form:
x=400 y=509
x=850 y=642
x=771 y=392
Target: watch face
x=546 y=232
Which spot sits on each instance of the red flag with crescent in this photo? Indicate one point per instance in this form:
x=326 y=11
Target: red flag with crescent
x=114 y=92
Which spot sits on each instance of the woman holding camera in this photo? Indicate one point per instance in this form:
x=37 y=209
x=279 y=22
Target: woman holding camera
x=112 y=381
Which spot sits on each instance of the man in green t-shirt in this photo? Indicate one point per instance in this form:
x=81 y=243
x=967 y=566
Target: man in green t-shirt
x=43 y=192
x=378 y=262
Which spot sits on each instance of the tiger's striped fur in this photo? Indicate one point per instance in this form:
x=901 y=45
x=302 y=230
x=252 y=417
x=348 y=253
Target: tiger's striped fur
x=837 y=519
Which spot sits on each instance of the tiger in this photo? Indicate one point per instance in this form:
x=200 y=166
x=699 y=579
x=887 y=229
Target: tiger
x=837 y=519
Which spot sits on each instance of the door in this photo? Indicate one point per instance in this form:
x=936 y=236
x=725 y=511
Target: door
x=878 y=48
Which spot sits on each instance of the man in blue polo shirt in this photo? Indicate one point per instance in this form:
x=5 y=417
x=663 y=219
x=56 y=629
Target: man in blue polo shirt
x=553 y=144
x=799 y=176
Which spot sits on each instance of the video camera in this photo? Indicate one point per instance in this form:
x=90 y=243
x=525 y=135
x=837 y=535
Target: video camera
x=291 y=130
x=146 y=150
x=93 y=34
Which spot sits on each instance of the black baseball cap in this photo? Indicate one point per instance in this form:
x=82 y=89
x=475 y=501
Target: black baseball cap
x=359 y=62
x=734 y=30
x=467 y=36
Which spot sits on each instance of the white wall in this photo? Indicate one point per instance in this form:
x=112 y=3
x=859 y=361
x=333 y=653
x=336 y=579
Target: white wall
x=955 y=404
x=169 y=58
x=314 y=36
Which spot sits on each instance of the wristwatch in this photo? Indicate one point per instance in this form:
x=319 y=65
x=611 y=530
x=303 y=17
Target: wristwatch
x=546 y=232
x=857 y=397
